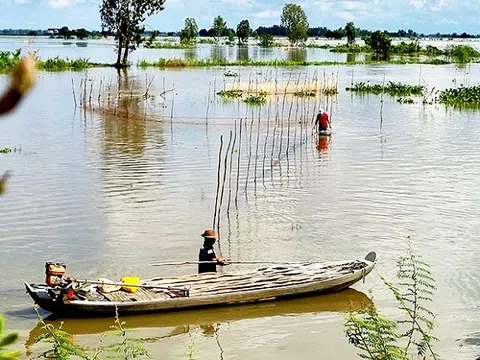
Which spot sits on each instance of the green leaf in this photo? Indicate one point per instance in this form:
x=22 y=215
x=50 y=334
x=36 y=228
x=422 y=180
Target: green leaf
x=8 y=340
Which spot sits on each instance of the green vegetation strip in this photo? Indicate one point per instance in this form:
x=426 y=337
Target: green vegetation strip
x=461 y=95
x=392 y=88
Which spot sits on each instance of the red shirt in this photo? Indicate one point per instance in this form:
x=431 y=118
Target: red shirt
x=324 y=120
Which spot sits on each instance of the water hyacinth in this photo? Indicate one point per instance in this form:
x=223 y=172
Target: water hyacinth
x=392 y=88
x=461 y=95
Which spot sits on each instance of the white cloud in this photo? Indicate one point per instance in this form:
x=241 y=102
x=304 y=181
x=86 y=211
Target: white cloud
x=267 y=14
x=21 y=2
x=352 y=5
x=345 y=15
x=61 y=4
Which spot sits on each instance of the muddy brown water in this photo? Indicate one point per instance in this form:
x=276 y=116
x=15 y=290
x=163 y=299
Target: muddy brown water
x=109 y=195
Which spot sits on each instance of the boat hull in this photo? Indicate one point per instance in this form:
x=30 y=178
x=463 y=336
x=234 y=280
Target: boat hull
x=75 y=308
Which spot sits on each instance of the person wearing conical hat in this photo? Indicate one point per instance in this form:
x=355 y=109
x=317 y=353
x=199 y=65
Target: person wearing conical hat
x=207 y=253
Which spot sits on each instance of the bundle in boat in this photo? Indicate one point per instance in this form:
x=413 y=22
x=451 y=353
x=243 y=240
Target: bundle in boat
x=202 y=290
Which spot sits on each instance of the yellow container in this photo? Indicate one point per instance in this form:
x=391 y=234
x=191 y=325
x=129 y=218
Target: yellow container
x=130 y=280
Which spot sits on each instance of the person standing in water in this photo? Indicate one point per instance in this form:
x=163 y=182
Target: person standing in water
x=322 y=123
x=207 y=253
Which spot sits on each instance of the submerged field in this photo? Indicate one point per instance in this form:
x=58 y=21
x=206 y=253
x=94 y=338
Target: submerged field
x=129 y=178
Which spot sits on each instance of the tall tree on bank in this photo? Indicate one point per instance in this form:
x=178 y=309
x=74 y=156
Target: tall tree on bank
x=190 y=31
x=243 y=31
x=295 y=21
x=125 y=18
x=219 y=27
x=351 y=33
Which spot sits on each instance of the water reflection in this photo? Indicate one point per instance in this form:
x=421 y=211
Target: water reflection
x=351 y=57
x=191 y=53
x=208 y=319
x=323 y=144
x=297 y=54
x=242 y=53
x=217 y=52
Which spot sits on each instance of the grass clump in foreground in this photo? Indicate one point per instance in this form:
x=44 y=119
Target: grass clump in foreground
x=392 y=88
x=380 y=338
x=462 y=95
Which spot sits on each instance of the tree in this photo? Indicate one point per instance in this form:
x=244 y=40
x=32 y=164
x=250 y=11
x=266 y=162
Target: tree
x=190 y=31
x=295 y=21
x=266 y=40
x=231 y=36
x=65 y=32
x=125 y=18
x=218 y=28
x=82 y=33
x=243 y=31
x=379 y=41
x=203 y=32
x=351 y=33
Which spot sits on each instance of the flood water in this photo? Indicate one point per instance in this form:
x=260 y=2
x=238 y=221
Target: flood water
x=111 y=194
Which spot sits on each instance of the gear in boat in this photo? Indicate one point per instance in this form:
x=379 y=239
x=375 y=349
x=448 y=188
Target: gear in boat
x=70 y=297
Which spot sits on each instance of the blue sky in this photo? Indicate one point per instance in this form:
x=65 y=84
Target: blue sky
x=427 y=16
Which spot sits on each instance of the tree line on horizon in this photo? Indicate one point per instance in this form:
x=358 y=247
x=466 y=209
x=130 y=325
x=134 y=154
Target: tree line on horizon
x=125 y=20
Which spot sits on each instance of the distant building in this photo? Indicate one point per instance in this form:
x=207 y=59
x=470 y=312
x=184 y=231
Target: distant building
x=53 y=31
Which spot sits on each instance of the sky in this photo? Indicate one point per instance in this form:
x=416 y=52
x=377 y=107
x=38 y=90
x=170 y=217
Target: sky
x=423 y=16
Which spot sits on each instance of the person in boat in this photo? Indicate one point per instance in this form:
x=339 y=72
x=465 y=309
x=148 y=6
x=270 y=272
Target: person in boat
x=207 y=253
x=322 y=123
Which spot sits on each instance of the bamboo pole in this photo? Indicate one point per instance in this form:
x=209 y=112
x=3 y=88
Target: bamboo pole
x=218 y=180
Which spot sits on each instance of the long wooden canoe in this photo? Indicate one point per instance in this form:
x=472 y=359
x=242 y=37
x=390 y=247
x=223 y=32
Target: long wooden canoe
x=207 y=290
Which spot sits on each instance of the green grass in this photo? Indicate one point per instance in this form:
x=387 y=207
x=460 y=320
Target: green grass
x=168 y=45
x=165 y=63
x=392 y=88
x=58 y=64
x=8 y=59
x=5 y=150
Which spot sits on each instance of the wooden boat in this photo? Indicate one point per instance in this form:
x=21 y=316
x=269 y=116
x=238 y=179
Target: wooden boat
x=206 y=290
x=179 y=322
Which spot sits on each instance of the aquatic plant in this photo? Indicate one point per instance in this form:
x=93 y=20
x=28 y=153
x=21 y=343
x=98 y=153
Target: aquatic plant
x=230 y=93
x=403 y=100
x=6 y=150
x=6 y=341
x=378 y=337
x=129 y=347
x=392 y=88
x=230 y=74
x=61 y=342
x=304 y=93
x=353 y=48
x=168 y=45
x=206 y=41
x=461 y=95
x=255 y=100
x=208 y=62
x=332 y=91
